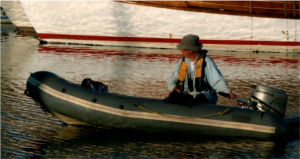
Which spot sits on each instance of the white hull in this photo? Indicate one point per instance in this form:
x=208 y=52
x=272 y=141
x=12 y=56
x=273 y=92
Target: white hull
x=123 y=24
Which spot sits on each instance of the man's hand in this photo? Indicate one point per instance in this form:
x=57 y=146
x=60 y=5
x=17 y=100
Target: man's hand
x=174 y=89
x=232 y=96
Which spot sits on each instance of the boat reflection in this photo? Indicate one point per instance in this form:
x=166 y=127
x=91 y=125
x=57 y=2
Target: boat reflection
x=238 y=58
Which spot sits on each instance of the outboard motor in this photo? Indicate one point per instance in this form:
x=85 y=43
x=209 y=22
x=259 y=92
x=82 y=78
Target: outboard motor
x=270 y=99
x=265 y=99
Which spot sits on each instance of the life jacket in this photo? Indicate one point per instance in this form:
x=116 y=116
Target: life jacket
x=199 y=74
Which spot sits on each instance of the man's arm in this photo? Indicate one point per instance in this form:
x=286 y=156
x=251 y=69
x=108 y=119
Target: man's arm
x=174 y=78
x=215 y=78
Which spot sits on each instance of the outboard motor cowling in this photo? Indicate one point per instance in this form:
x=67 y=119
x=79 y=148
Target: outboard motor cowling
x=270 y=99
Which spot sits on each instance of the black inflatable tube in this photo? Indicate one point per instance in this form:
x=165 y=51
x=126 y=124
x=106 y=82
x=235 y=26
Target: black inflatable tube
x=65 y=99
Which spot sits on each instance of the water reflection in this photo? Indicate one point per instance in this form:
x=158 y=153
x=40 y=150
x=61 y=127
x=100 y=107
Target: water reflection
x=92 y=142
x=27 y=132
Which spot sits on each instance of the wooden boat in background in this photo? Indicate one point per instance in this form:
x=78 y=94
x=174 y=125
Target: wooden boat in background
x=270 y=9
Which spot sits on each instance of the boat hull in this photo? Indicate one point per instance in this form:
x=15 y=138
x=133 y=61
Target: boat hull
x=124 y=24
x=83 y=106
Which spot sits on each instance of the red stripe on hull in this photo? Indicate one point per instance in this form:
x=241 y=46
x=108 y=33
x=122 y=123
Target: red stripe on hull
x=164 y=40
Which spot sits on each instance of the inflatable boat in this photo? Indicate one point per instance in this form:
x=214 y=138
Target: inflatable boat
x=74 y=104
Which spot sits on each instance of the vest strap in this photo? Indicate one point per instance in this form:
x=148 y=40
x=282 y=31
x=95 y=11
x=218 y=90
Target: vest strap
x=199 y=72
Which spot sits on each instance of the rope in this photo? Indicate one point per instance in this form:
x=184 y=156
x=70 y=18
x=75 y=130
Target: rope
x=172 y=116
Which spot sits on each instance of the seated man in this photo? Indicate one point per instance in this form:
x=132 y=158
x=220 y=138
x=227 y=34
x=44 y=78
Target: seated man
x=195 y=74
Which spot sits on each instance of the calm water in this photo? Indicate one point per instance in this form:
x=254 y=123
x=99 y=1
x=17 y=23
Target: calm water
x=27 y=132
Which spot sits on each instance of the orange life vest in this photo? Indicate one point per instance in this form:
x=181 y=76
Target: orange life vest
x=199 y=74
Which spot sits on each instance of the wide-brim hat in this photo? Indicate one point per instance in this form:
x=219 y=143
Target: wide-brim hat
x=190 y=42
